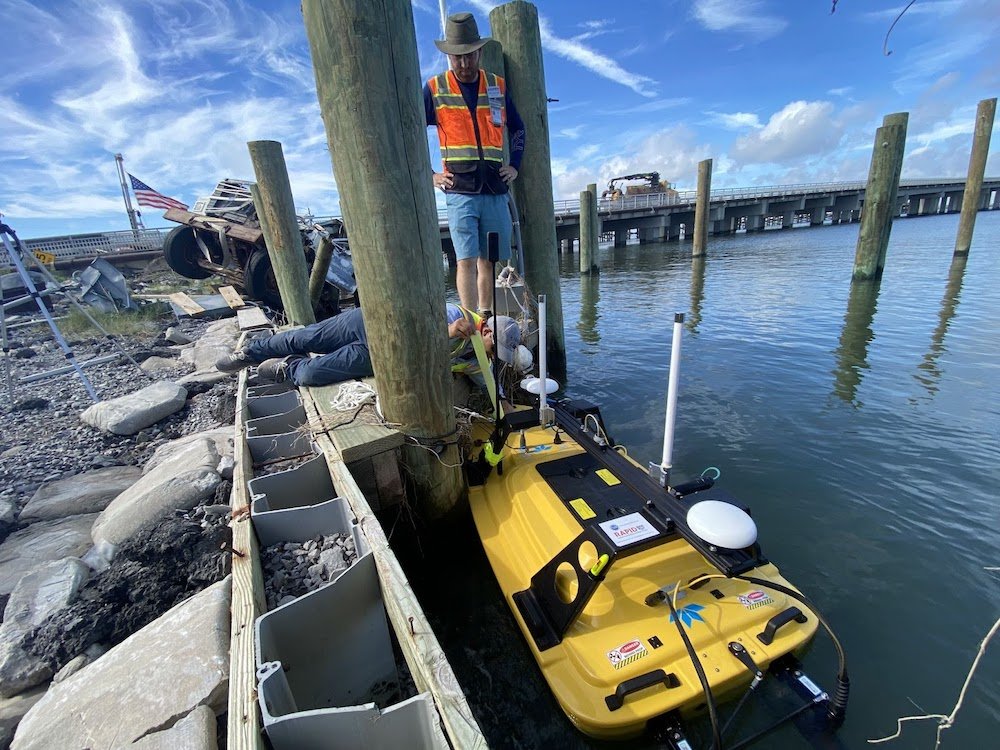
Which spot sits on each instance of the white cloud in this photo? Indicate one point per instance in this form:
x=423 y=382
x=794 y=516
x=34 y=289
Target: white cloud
x=572 y=133
x=736 y=120
x=799 y=129
x=746 y=17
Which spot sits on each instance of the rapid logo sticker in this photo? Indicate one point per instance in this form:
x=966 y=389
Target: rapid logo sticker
x=627 y=653
x=755 y=599
x=628 y=529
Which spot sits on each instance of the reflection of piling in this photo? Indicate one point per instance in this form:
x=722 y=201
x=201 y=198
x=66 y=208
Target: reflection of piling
x=590 y=295
x=515 y=26
x=852 y=352
x=272 y=197
x=977 y=167
x=880 y=196
x=701 y=208
x=368 y=85
x=588 y=231
x=697 y=292
x=929 y=372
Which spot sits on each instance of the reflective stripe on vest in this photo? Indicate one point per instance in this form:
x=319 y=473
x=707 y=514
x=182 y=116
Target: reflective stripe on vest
x=468 y=366
x=457 y=132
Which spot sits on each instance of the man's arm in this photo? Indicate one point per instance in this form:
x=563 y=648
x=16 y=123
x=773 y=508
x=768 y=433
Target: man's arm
x=442 y=180
x=515 y=140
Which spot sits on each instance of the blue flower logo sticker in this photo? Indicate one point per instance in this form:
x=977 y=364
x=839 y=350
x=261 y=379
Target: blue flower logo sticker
x=688 y=614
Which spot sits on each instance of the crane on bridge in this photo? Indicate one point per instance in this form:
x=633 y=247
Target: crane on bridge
x=653 y=184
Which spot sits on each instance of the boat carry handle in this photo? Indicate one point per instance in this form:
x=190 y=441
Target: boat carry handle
x=656 y=677
x=779 y=620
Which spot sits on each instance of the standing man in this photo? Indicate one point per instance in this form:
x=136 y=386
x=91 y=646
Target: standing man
x=470 y=108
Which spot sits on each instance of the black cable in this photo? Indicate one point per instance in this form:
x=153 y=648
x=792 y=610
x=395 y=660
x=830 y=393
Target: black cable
x=838 y=704
x=709 y=698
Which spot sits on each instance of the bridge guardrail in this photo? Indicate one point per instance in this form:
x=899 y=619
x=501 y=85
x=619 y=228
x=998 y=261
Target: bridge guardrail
x=92 y=245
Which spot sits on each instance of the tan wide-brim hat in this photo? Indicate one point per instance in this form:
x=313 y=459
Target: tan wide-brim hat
x=461 y=35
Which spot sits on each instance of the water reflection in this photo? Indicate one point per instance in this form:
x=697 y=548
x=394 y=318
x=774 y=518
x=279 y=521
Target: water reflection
x=590 y=295
x=929 y=373
x=697 y=292
x=852 y=352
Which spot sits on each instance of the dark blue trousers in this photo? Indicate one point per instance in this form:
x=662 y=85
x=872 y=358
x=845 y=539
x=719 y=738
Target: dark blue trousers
x=341 y=340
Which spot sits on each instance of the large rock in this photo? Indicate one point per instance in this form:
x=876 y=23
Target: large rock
x=223 y=437
x=218 y=339
x=180 y=482
x=196 y=731
x=143 y=685
x=126 y=415
x=89 y=492
x=39 y=594
x=29 y=548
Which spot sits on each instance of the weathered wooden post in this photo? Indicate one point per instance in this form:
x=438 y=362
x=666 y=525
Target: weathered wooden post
x=588 y=232
x=977 y=167
x=701 y=208
x=594 y=268
x=321 y=264
x=515 y=26
x=368 y=82
x=272 y=197
x=880 y=196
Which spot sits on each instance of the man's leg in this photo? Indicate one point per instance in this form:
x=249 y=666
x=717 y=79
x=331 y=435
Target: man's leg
x=319 y=338
x=494 y=216
x=463 y=224
x=348 y=362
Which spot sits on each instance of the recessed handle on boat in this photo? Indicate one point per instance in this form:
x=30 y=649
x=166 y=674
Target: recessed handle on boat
x=656 y=677
x=779 y=620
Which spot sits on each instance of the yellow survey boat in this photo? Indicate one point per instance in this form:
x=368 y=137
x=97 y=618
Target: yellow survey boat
x=603 y=568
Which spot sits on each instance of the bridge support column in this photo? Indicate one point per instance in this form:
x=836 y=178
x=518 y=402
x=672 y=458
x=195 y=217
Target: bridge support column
x=755 y=223
x=787 y=219
x=621 y=237
x=674 y=232
x=996 y=200
x=651 y=234
x=954 y=203
x=817 y=216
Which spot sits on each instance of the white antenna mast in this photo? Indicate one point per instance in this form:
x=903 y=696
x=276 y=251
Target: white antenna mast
x=444 y=15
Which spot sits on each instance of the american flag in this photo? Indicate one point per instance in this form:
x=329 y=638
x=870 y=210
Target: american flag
x=149 y=197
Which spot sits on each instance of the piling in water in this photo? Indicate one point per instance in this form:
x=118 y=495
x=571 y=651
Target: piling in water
x=971 y=201
x=589 y=231
x=515 y=26
x=701 y=208
x=880 y=197
x=368 y=84
x=272 y=197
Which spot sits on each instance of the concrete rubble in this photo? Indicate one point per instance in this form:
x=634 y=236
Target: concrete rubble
x=89 y=492
x=126 y=415
x=27 y=550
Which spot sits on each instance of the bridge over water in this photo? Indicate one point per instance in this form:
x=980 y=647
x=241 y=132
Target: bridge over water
x=654 y=217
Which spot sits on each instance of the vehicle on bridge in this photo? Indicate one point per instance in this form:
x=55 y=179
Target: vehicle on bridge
x=651 y=184
x=221 y=236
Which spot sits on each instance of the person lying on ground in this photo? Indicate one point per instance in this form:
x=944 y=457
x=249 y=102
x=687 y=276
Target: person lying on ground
x=342 y=346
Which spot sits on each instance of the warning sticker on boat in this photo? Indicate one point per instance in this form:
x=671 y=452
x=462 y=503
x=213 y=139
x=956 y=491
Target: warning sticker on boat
x=755 y=599
x=609 y=479
x=628 y=529
x=626 y=653
x=582 y=509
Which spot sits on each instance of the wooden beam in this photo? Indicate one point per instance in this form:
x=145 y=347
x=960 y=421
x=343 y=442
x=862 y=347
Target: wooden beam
x=185 y=303
x=214 y=224
x=427 y=662
x=244 y=721
x=232 y=297
x=985 y=114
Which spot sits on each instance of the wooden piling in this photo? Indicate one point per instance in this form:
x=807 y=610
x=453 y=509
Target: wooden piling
x=321 y=264
x=977 y=167
x=272 y=197
x=588 y=232
x=701 y=208
x=880 y=197
x=515 y=26
x=369 y=88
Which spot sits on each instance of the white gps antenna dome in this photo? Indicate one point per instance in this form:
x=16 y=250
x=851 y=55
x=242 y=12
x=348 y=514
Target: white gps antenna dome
x=722 y=524
x=523 y=360
x=534 y=385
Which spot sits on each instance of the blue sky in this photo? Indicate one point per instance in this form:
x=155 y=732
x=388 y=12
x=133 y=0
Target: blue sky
x=775 y=92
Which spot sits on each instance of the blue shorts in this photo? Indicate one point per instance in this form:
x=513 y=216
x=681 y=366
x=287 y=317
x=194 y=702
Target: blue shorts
x=470 y=217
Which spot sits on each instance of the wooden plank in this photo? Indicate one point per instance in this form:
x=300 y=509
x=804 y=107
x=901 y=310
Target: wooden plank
x=232 y=297
x=428 y=665
x=364 y=436
x=186 y=304
x=214 y=224
x=252 y=317
x=244 y=721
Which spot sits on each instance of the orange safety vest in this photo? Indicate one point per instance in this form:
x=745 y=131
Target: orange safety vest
x=465 y=141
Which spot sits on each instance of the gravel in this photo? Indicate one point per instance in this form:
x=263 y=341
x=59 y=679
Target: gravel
x=292 y=569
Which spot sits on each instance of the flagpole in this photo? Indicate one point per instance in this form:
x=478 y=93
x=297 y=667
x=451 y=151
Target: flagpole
x=134 y=217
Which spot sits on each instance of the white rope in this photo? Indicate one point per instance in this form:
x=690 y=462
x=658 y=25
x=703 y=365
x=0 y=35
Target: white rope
x=351 y=395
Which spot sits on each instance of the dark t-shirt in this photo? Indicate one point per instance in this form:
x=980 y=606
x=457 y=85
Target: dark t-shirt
x=484 y=178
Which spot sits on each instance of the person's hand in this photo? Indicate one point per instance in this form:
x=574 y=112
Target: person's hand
x=460 y=329
x=508 y=174
x=443 y=180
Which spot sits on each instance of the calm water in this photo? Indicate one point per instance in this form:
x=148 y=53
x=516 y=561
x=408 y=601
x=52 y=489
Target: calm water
x=861 y=427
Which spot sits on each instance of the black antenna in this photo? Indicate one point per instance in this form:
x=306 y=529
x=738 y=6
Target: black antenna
x=493 y=255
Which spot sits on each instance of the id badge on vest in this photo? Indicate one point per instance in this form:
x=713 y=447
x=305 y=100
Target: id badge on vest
x=496 y=104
